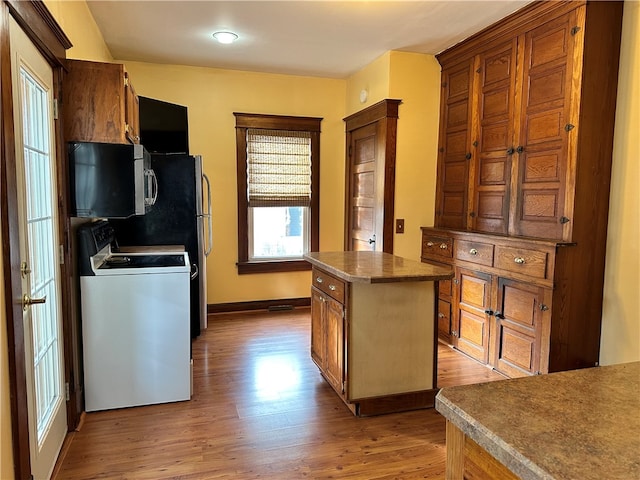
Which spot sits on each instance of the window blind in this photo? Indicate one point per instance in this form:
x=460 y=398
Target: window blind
x=278 y=168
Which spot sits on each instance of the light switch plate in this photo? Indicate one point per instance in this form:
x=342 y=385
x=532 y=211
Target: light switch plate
x=399 y=225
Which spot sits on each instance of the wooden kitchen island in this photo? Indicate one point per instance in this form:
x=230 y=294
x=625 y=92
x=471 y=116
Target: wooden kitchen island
x=581 y=424
x=373 y=334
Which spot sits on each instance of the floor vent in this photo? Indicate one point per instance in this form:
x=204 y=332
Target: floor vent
x=280 y=308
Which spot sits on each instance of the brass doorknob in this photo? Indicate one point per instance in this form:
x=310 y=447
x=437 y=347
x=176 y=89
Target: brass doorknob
x=27 y=301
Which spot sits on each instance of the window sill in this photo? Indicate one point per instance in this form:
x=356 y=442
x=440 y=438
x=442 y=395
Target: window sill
x=273 y=267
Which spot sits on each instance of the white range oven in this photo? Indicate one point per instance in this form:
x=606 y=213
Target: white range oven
x=135 y=322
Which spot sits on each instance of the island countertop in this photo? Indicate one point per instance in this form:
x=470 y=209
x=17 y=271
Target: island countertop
x=376 y=267
x=581 y=424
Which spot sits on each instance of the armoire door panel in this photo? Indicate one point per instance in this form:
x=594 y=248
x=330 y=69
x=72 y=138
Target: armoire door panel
x=496 y=103
x=493 y=171
x=495 y=137
x=457 y=114
x=547 y=87
x=475 y=290
x=544 y=127
x=518 y=304
x=498 y=66
x=453 y=204
x=455 y=145
x=549 y=43
x=458 y=82
x=540 y=205
x=543 y=166
x=455 y=174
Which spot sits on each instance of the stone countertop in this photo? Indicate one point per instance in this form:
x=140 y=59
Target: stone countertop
x=581 y=424
x=376 y=267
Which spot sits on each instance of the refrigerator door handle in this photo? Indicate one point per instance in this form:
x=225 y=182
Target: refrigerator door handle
x=194 y=271
x=208 y=216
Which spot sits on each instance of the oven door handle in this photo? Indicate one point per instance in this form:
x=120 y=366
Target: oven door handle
x=194 y=271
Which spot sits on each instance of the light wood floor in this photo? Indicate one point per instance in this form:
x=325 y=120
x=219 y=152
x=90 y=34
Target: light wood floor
x=260 y=409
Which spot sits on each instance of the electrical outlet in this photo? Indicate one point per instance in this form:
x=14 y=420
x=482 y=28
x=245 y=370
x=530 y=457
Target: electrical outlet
x=399 y=225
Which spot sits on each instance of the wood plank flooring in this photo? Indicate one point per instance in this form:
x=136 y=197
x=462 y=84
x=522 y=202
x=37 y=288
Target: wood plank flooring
x=260 y=409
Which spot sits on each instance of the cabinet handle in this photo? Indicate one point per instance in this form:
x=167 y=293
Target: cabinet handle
x=473 y=251
x=332 y=287
x=543 y=307
x=519 y=260
x=489 y=312
x=319 y=279
x=443 y=246
x=429 y=244
x=499 y=315
x=440 y=315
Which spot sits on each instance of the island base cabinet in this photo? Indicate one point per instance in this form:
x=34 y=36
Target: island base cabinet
x=467 y=460
x=327 y=338
x=376 y=347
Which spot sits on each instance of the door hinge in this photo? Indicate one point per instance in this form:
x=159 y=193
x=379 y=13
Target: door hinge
x=55 y=109
x=61 y=254
x=575 y=30
x=67 y=395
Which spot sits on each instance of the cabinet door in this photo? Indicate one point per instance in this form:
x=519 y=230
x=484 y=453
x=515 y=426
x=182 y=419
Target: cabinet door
x=318 y=347
x=546 y=130
x=444 y=320
x=334 y=318
x=520 y=318
x=471 y=322
x=132 y=111
x=493 y=146
x=454 y=150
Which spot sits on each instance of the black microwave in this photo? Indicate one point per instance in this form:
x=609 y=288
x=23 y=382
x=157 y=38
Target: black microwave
x=110 y=180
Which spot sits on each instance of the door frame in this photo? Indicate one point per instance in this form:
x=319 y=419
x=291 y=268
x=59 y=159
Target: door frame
x=42 y=29
x=385 y=113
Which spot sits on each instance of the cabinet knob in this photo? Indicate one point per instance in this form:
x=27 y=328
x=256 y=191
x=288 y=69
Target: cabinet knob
x=473 y=251
x=468 y=156
x=489 y=312
x=319 y=279
x=511 y=151
x=440 y=315
x=519 y=260
x=443 y=246
x=499 y=315
x=332 y=287
x=520 y=149
x=543 y=307
x=429 y=244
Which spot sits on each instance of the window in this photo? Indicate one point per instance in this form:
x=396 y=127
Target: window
x=278 y=161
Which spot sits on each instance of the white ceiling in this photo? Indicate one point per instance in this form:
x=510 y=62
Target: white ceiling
x=314 y=37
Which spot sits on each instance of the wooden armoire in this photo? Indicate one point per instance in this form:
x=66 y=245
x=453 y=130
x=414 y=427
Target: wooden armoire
x=524 y=165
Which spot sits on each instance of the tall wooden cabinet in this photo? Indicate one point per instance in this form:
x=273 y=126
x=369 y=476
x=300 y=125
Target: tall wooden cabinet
x=524 y=167
x=99 y=103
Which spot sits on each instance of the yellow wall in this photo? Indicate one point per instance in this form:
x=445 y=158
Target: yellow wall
x=75 y=19
x=212 y=95
x=621 y=316
x=374 y=79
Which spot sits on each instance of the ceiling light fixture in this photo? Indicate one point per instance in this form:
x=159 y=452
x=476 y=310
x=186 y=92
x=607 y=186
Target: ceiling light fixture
x=225 y=37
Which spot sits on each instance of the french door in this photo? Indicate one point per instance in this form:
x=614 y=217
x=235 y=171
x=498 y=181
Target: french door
x=32 y=85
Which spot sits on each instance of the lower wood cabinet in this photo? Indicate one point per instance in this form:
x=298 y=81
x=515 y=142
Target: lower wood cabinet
x=374 y=342
x=514 y=304
x=327 y=338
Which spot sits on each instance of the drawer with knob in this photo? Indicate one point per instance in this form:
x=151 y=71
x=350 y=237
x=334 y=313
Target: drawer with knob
x=328 y=284
x=475 y=252
x=520 y=260
x=437 y=247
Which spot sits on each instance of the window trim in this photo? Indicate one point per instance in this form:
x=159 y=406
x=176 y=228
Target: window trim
x=246 y=121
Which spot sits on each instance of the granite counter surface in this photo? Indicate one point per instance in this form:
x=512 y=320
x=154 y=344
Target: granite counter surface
x=581 y=424
x=376 y=267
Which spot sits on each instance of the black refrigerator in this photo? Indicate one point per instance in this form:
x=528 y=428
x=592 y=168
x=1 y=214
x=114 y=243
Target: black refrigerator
x=180 y=216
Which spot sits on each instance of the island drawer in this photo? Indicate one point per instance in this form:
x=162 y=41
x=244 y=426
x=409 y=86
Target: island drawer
x=328 y=284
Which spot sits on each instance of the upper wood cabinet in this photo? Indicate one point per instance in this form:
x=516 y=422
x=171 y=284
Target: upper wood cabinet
x=99 y=103
x=527 y=112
